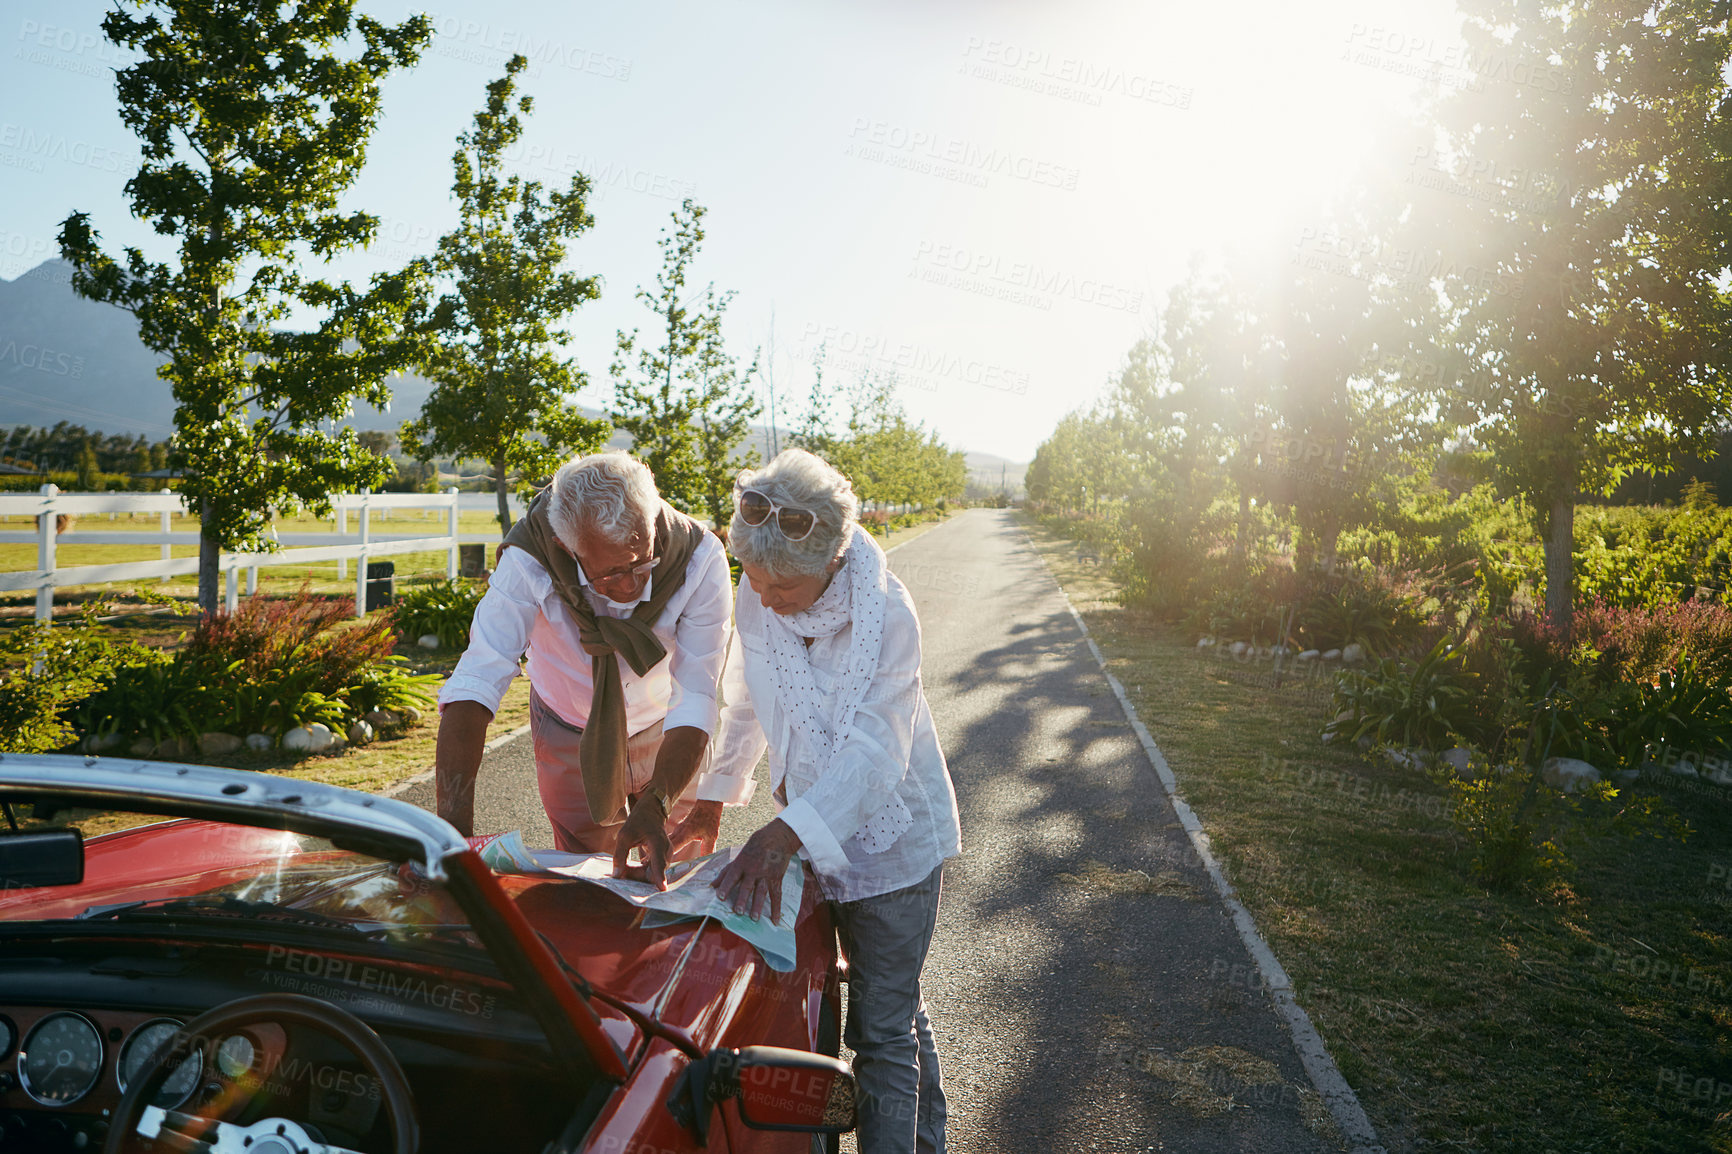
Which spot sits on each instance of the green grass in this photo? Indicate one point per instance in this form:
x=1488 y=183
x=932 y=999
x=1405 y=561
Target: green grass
x=1593 y=1016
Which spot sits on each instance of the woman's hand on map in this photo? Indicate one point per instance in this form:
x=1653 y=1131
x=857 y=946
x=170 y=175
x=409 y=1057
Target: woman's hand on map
x=753 y=880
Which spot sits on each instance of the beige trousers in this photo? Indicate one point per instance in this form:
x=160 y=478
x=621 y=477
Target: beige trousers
x=559 y=776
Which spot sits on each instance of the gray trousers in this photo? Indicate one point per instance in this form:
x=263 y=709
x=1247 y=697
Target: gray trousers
x=901 y=1106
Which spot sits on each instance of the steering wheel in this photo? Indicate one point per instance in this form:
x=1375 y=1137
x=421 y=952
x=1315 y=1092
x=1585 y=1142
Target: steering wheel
x=268 y=1135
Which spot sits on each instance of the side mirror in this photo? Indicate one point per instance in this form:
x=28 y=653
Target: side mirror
x=49 y=857
x=777 y=1089
x=793 y=1090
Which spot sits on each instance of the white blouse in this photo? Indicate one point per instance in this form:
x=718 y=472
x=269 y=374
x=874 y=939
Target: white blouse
x=890 y=763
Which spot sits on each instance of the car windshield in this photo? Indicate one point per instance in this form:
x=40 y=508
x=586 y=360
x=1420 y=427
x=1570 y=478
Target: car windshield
x=146 y=870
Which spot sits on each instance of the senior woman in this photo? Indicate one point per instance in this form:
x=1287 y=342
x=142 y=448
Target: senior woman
x=824 y=669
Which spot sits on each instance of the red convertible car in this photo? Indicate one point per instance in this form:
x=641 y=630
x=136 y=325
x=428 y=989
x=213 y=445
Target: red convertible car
x=204 y=959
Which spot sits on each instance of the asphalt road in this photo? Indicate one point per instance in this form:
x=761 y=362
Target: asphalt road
x=1088 y=990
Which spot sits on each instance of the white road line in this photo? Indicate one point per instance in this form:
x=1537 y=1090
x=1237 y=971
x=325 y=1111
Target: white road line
x=1325 y=1075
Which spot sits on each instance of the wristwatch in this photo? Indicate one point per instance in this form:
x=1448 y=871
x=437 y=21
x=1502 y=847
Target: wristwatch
x=658 y=795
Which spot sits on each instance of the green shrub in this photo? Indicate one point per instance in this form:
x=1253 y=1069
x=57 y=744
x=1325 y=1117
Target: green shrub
x=1632 y=679
x=1239 y=612
x=275 y=664
x=150 y=698
x=45 y=672
x=1519 y=672
x=266 y=668
x=389 y=684
x=1429 y=529
x=1346 y=617
x=1679 y=707
x=1652 y=556
x=444 y=609
x=1385 y=610
x=1519 y=828
x=1427 y=701
x=1236 y=602
x=1515 y=823
x=1167 y=542
x=67 y=481
x=1522 y=830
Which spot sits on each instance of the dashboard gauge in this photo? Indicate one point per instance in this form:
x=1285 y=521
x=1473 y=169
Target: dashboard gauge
x=236 y=1055
x=8 y=1036
x=61 y=1059
x=139 y=1047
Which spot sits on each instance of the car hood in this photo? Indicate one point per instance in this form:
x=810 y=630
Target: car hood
x=693 y=977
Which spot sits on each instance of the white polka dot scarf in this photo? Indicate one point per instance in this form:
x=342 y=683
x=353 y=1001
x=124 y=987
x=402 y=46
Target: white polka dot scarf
x=858 y=595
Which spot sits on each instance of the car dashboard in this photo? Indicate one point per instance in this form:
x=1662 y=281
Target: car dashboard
x=80 y=1014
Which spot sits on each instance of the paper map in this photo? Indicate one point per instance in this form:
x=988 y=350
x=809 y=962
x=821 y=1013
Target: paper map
x=689 y=894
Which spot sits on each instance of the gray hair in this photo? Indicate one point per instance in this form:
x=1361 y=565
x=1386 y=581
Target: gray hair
x=613 y=494
x=798 y=479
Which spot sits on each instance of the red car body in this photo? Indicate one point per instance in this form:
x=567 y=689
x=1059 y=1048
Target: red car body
x=643 y=1004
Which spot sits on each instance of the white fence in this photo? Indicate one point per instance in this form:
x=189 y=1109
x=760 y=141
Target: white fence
x=49 y=504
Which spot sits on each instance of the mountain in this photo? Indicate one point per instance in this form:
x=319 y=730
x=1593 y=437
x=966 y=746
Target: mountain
x=65 y=358
x=989 y=472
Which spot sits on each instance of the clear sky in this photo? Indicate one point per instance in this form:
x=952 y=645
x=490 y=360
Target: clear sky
x=990 y=198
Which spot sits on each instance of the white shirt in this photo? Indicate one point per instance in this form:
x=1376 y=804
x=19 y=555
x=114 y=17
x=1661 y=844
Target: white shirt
x=523 y=611
x=892 y=750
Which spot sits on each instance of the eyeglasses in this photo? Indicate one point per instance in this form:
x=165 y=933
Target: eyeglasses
x=795 y=524
x=636 y=572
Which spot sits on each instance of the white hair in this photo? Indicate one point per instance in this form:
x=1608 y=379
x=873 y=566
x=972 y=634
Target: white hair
x=797 y=479
x=613 y=494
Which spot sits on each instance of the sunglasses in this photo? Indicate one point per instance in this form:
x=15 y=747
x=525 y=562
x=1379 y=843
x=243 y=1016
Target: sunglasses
x=795 y=524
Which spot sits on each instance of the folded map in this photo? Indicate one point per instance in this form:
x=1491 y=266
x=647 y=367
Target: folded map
x=689 y=893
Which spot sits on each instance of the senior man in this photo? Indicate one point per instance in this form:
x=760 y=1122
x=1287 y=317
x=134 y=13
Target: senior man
x=622 y=604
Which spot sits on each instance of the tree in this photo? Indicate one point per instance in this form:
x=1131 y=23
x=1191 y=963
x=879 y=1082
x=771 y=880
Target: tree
x=87 y=467
x=656 y=405
x=252 y=125
x=1590 y=301
x=500 y=391
x=1059 y=474
x=889 y=459
x=376 y=441
x=724 y=412
x=1188 y=417
x=814 y=435
x=1336 y=431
